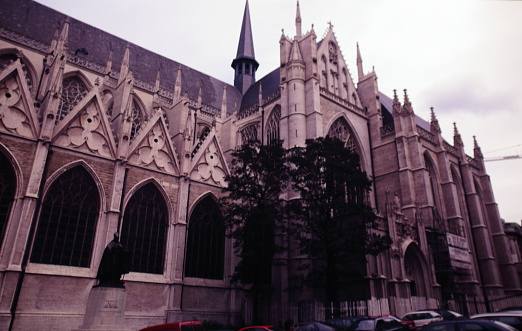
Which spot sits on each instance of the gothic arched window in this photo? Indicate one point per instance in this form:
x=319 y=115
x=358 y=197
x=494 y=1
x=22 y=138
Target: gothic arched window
x=342 y=131
x=144 y=230
x=272 y=126
x=136 y=119
x=73 y=92
x=67 y=221
x=249 y=134
x=206 y=241
x=7 y=192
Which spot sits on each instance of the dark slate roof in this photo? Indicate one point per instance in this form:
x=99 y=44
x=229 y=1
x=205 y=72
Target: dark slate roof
x=269 y=84
x=40 y=23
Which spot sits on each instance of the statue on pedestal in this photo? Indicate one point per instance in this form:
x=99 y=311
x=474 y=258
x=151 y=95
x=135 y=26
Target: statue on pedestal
x=114 y=264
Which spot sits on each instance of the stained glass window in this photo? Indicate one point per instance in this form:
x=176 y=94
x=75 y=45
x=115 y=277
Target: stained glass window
x=144 y=230
x=67 y=221
x=342 y=131
x=249 y=134
x=205 y=242
x=272 y=126
x=136 y=119
x=73 y=92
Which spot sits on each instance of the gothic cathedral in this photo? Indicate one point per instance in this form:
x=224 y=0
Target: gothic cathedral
x=98 y=139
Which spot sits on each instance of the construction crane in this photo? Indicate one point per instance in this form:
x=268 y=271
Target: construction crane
x=503 y=158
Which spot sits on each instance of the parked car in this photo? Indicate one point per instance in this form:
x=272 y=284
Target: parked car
x=468 y=325
x=343 y=323
x=259 y=328
x=314 y=326
x=448 y=315
x=510 y=318
x=383 y=323
x=417 y=319
x=515 y=308
x=177 y=326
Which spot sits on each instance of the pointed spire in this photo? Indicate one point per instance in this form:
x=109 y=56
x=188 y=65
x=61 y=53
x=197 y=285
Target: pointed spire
x=457 y=139
x=434 y=123
x=199 y=98
x=62 y=40
x=177 y=85
x=124 y=65
x=407 y=108
x=224 y=103
x=396 y=108
x=359 y=64
x=108 y=67
x=260 y=96
x=298 y=21
x=246 y=42
x=245 y=64
x=54 y=42
x=477 y=152
x=157 y=85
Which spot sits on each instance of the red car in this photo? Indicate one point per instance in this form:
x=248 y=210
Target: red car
x=259 y=328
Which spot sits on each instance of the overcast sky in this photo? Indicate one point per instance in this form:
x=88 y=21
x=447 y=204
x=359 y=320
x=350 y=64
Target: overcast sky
x=462 y=57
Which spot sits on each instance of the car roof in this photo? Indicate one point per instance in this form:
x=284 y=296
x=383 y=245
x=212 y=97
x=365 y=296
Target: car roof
x=502 y=313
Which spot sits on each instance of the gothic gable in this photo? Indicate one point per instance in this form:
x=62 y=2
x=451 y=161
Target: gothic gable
x=334 y=74
x=17 y=113
x=86 y=128
x=208 y=164
x=152 y=147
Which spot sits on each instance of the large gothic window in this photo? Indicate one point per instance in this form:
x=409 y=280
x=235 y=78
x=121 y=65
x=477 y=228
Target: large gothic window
x=144 y=230
x=272 y=126
x=249 y=134
x=73 y=92
x=342 y=131
x=205 y=242
x=7 y=192
x=67 y=221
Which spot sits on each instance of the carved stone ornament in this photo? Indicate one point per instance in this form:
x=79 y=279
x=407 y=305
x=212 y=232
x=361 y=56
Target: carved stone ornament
x=209 y=167
x=332 y=52
x=153 y=152
x=12 y=118
x=85 y=133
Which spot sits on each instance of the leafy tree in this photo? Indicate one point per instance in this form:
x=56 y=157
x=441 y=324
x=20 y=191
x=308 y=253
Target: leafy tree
x=254 y=215
x=332 y=217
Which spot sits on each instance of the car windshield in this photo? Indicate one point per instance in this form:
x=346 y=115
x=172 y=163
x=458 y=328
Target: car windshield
x=364 y=325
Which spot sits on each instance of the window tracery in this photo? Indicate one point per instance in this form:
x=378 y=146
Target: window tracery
x=73 y=92
x=136 y=119
x=342 y=131
x=272 y=126
x=144 y=230
x=67 y=222
x=249 y=134
x=205 y=241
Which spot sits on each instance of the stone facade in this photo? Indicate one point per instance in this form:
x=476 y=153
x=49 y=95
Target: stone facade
x=149 y=141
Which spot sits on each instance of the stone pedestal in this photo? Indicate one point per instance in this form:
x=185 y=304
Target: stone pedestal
x=105 y=310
